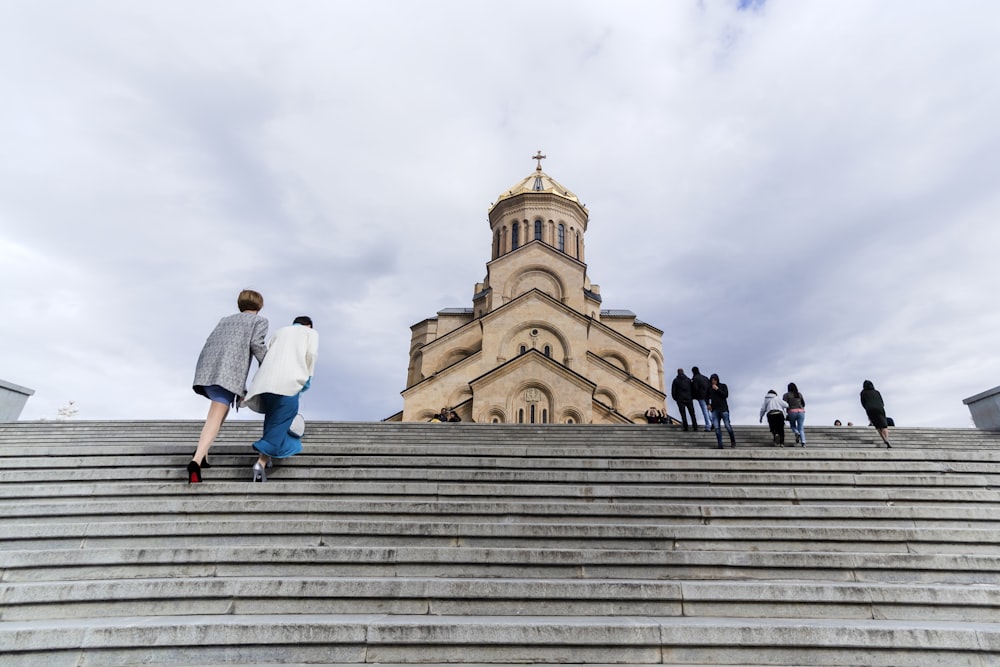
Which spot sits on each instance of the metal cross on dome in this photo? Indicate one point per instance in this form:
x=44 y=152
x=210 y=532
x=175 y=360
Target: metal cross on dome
x=538 y=156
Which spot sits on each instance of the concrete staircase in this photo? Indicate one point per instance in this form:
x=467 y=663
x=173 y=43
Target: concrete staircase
x=471 y=544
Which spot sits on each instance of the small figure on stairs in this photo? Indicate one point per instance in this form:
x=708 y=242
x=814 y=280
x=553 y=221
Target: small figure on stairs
x=718 y=405
x=774 y=408
x=871 y=401
x=681 y=391
x=699 y=392
x=796 y=413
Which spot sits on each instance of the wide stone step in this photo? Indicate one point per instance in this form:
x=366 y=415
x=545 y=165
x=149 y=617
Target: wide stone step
x=884 y=462
x=12 y=494
x=495 y=597
x=530 y=478
x=28 y=433
x=717 y=513
x=360 y=638
x=129 y=562
x=475 y=533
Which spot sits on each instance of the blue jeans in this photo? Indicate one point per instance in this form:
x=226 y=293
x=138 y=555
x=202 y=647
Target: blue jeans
x=797 y=421
x=704 y=413
x=279 y=411
x=717 y=419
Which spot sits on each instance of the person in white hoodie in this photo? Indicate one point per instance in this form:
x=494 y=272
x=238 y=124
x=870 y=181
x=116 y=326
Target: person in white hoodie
x=775 y=409
x=285 y=373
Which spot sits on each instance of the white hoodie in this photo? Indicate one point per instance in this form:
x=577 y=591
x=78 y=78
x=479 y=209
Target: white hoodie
x=772 y=402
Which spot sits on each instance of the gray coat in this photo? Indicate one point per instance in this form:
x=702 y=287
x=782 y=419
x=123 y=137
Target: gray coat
x=225 y=358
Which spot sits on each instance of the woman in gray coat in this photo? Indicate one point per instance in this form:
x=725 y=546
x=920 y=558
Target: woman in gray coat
x=223 y=367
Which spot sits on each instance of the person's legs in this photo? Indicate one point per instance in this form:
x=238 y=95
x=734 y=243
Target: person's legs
x=777 y=423
x=716 y=425
x=213 y=423
x=795 y=420
x=689 y=405
x=684 y=417
x=729 y=428
x=279 y=412
x=704 y=413
x=802 y=428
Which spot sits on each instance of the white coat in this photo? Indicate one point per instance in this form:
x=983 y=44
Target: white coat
x=289 y=363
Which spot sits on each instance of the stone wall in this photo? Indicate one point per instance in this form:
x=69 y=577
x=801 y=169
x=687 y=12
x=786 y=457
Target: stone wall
x=985 y=409
x=12 y=400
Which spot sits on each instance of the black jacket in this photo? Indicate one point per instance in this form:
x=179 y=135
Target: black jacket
x=717 y=398
x=680 y=389
x=699 y=387
x=871 y=399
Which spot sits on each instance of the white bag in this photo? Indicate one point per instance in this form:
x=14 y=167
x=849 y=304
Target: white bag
x=298 y=427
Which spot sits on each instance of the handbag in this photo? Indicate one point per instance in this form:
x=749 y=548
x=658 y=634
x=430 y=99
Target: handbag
x=298 y=426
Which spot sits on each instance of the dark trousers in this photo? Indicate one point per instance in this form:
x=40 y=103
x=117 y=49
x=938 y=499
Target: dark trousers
x=689 y=406
x=776 y=421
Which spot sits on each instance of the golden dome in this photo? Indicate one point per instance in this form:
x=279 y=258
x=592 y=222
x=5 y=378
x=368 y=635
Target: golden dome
x=538 y=182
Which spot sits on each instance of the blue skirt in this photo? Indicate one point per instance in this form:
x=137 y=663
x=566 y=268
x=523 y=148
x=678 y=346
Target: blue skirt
x=279 y=411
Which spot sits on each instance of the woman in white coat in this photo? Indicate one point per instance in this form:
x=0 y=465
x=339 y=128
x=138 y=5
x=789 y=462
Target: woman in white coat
x=286 y=372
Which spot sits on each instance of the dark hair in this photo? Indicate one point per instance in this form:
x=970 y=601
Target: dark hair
x=714 y=376
x=303 y=319
x=868 y=385
x=680 y=371
x=794 y=391
x=694 y=369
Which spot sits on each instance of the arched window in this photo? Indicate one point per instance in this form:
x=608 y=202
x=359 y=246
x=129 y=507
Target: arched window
x=496 y=246
x=545 y=416
x=520 y=416
x=569 y=420
x=532 y=409
x=538 y=230
x=515 y=236
x=524 y=348
x=562 y=237
x=578 y=245
x=547 y=350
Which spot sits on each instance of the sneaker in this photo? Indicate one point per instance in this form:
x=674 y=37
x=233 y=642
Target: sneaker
x=796 y=438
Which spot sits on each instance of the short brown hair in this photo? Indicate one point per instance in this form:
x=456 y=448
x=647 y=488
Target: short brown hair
x=249 y=300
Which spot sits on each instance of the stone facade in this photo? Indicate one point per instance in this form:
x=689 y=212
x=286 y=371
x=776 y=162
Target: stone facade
x=535 y=346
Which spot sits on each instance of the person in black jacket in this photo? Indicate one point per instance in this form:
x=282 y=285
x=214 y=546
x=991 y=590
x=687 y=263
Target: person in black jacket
x=699 y=392
x=680 y=391
x=718 y=394
x=871 y=401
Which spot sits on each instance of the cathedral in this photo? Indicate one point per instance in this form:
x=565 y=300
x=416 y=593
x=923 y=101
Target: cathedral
x=535 y=347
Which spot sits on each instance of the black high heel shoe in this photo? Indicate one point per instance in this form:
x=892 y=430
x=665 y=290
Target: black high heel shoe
x=194 y=473
x=205 y=464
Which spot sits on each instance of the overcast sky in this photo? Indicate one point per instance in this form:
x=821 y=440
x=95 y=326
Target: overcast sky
x=791 y=190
